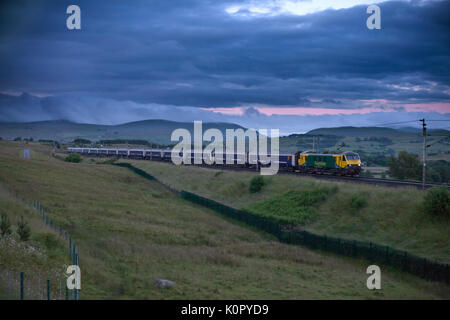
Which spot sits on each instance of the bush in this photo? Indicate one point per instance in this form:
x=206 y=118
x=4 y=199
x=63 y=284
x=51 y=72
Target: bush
x=82 y=141
x=256 y=184
x=74 y=157
x=437 y=202
x=5 y=225
x=438 y=171
x=405 y=166
x=23 y=229
x=53 y=244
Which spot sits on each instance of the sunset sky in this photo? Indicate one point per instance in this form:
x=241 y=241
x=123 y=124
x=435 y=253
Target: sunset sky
x=293 y=65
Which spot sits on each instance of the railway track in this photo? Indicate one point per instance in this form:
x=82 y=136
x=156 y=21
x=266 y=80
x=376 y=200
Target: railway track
x=372 y=181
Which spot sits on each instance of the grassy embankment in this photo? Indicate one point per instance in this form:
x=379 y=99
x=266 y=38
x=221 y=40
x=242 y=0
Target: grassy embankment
x=45 y=255
x=387 y=216
x=131 y=231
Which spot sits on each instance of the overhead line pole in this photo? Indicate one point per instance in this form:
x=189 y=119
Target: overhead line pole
x=424 y=132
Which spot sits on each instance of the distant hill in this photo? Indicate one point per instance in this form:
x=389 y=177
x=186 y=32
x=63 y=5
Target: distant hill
x=375 y=132
x=157 y=131
x=356 y=131
x=369 y=141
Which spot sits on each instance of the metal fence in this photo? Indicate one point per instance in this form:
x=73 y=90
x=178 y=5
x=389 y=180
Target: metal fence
x=30 y=286
x=424 y=268
x=73 y=251
x=16 y=281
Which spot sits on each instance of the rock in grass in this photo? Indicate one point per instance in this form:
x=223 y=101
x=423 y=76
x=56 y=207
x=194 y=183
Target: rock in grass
x=161 y=283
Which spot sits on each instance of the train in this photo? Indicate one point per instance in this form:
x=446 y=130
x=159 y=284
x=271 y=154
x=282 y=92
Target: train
x=344 y=164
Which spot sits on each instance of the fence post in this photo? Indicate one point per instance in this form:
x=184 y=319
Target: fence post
x=48 y=289
x=74 y=253
x=21 y=286
x=67 y=292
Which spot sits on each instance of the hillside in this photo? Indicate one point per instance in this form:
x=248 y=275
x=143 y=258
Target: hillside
x=374 y=142
x=131 y=231
x=156 y=131
x=355 y=131
x=44 y=256
x=388 y=216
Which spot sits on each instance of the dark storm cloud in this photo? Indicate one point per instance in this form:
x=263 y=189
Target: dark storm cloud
x=193 y=53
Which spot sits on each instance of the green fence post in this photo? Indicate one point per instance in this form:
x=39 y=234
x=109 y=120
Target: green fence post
x=48 y=289
x=74 y=255
x=21 y=286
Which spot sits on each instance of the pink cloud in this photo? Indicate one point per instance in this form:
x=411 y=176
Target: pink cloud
x=315 y=111
x=440 y=107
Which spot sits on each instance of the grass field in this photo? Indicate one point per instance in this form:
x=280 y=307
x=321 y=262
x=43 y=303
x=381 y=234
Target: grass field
x=44 y=256
x=387 y=216
x=131 y=231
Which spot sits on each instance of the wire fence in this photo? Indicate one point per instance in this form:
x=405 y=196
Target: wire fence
x=20 y=284
x=422 y=267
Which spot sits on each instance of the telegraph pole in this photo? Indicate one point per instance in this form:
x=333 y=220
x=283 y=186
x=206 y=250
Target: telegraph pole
x=424 y=132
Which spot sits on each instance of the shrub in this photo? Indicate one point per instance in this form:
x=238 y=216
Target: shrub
x=74 y=157
x=82 y=141
x=23 y=229
x=54 y=244
x=5 y=225
x=405 y=166
x=437 y=202
x=256 y=184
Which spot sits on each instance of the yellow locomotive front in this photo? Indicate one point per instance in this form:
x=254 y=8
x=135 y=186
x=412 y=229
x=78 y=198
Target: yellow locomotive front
x=351 y=162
